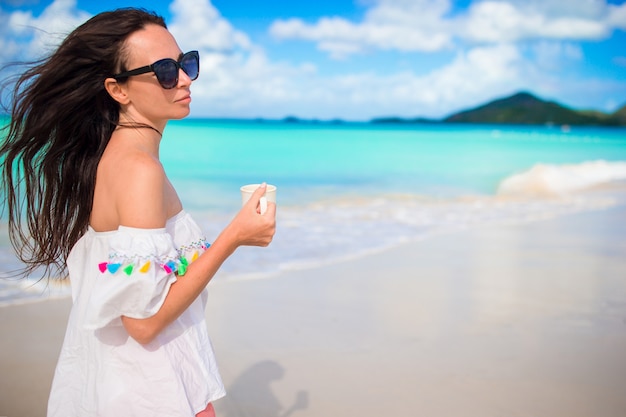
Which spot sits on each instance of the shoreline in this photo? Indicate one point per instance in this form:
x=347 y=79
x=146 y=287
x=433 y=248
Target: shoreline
x=525 y=319
x=377 y=224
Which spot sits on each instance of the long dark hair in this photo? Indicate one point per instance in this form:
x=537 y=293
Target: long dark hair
x=61 y=121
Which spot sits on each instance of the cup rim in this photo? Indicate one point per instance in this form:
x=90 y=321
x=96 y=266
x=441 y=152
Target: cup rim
x=250 y=188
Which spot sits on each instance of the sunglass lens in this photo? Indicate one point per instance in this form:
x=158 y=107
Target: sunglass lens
x=167 y=73
x=191 y=65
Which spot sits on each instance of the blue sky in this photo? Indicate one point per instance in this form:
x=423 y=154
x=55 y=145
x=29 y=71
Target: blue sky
x=358 y=59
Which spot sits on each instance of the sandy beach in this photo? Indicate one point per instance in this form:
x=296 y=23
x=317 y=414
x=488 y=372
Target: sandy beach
x=510 y=320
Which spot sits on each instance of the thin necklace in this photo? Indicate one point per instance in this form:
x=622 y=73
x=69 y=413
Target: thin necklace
x=140 y=127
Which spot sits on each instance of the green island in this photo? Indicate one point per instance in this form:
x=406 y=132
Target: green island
x=526 y=109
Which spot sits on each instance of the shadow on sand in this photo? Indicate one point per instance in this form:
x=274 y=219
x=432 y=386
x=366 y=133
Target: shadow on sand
x=250 y=395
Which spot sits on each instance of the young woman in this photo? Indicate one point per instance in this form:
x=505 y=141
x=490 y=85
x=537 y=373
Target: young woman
x=81 y=168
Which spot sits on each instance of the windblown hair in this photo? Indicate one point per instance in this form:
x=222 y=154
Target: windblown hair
x=62 y=119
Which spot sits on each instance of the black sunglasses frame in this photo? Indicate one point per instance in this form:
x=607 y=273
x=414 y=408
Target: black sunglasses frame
x=155 y=68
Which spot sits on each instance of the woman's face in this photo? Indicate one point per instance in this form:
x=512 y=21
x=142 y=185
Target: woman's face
x=149 y=102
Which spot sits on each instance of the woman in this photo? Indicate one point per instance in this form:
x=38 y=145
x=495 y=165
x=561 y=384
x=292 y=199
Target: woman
x=81 y=166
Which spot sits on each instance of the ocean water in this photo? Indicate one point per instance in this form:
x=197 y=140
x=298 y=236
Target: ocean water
x=349 y=189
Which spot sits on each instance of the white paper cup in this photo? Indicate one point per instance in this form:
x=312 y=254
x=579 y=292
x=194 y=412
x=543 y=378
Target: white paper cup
x=270 y=195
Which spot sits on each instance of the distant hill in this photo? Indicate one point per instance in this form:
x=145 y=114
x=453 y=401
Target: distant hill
x=524 y=108
x=402 y=120
x=620 y=115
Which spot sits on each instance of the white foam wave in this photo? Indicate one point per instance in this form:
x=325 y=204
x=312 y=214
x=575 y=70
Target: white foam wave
x=334 y=230
x=17 y=291
x=557 y=180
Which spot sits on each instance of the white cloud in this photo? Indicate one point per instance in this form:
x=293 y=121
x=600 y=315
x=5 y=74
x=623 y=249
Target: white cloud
x=250 y=86
x=199 y=23
x=590 y=9
x=236 y=76
x=617 y=16
x=497 y=21
x=8 y=46
x=403 y=25
x=43 y=33
x=553 y=56
x=431 y=25
x=491 y=70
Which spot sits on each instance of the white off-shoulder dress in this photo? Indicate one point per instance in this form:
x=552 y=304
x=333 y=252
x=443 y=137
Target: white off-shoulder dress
x=102 y=371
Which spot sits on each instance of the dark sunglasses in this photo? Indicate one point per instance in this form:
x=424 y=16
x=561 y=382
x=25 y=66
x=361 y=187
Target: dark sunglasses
x=166 y=70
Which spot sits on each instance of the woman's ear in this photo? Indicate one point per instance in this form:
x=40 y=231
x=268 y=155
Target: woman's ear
x=116 y=90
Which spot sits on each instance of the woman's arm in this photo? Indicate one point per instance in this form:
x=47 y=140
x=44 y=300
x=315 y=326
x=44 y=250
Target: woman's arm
x=247 y=228
x=148 y=209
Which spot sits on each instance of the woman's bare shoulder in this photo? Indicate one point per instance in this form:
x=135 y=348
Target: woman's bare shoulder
x=133 y=182
x=130 y=166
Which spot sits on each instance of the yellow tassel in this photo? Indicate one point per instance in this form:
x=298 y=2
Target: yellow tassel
x=145 y=267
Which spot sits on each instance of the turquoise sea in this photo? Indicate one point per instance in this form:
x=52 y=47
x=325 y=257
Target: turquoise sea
x=348 y=189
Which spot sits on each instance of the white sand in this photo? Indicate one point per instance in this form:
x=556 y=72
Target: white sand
x=31 y=340
x=526 y=320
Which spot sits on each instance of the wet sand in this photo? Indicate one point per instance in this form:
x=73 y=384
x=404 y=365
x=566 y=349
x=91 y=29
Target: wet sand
x=509 y=320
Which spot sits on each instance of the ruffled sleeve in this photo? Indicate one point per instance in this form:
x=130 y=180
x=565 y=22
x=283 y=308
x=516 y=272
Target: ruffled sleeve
x=142 y=264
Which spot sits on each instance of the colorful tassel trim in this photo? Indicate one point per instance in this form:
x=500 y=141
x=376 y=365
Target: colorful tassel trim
x=131 y=264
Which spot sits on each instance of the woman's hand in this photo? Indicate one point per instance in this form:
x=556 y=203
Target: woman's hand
x=249 y=227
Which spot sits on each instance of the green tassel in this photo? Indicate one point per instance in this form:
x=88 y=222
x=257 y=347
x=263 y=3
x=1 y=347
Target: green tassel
x=129 y=269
